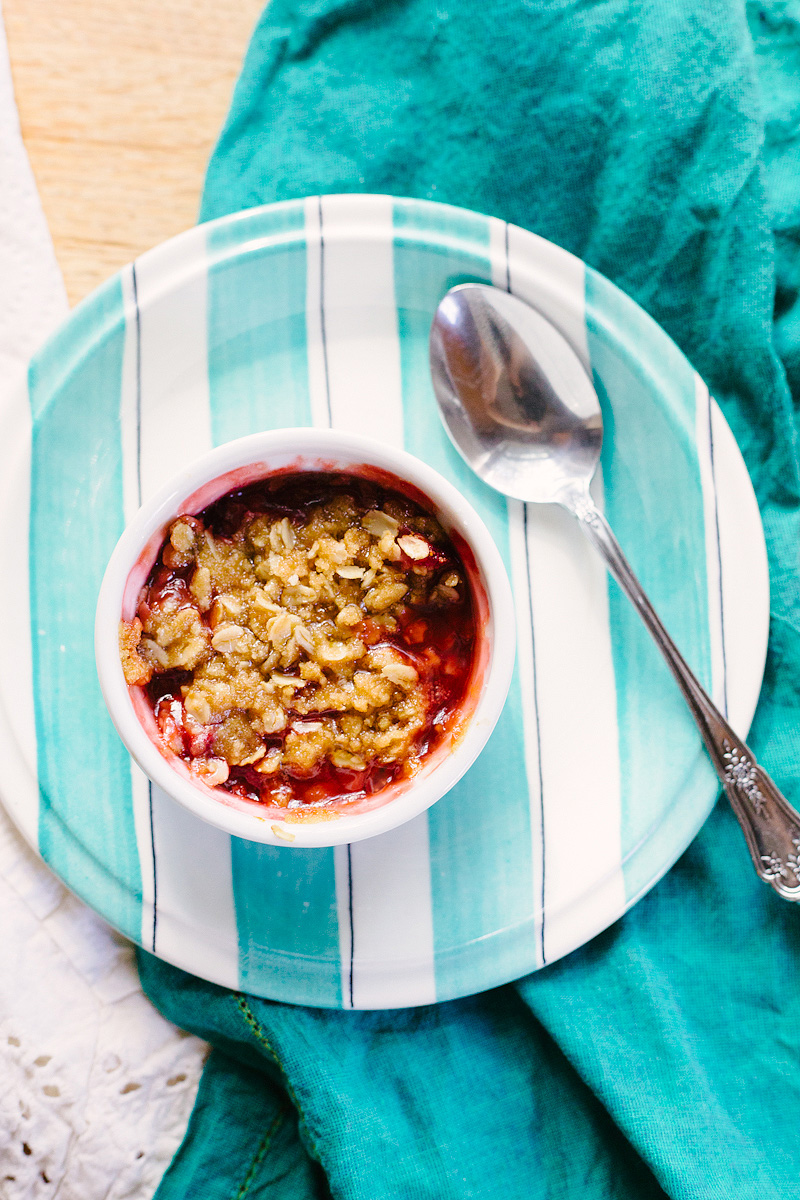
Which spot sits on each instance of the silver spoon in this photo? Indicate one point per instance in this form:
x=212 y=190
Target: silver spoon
x=522 y=412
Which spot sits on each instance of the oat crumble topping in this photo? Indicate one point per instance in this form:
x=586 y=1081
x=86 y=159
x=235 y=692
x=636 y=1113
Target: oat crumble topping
x=303 y=638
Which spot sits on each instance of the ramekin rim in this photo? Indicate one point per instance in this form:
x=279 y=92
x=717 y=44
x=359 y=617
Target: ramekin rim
x=165 y=504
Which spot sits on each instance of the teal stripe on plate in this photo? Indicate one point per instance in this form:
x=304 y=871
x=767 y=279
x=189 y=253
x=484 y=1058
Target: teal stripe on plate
x=257 y=324
x=76 y=518
x=480 y=885
x=258 y=379
x=286 y=899
x=653 y=497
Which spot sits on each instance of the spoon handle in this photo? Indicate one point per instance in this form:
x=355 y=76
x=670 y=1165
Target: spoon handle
x=771 y=826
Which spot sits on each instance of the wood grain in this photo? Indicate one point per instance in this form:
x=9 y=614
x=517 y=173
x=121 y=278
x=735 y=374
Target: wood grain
x=120 y=105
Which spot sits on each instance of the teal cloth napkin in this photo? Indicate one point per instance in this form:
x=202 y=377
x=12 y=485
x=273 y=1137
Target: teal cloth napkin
x=658 y=140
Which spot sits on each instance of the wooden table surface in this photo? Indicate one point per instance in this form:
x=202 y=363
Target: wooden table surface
x=120 y=104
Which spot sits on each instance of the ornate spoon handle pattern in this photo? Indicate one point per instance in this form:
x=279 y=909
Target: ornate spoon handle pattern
x=770 y=825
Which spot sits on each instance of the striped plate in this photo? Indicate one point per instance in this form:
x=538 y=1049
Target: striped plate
x=317 y=312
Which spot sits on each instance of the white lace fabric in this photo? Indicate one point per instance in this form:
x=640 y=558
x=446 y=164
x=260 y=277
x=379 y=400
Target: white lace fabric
x=96 y=1087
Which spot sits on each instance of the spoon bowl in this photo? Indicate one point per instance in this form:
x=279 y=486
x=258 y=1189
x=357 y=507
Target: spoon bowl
x=530 y=426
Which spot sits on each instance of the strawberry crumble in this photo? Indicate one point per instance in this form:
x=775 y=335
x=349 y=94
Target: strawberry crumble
x=304 y=640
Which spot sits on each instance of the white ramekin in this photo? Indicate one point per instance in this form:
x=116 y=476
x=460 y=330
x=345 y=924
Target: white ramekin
x=245 y=461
